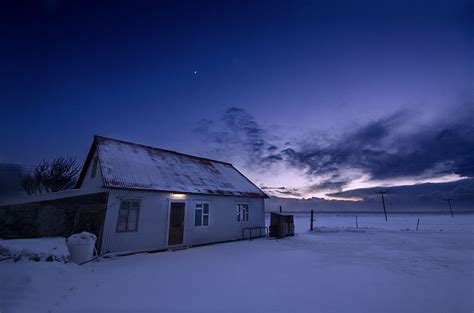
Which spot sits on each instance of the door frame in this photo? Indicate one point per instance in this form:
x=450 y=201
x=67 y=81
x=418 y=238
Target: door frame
x=168 y=222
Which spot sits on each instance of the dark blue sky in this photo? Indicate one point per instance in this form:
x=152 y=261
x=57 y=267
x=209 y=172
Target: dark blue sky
x=307 y=75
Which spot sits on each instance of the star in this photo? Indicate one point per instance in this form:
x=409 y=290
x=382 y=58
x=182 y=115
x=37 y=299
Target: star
x=195 y=72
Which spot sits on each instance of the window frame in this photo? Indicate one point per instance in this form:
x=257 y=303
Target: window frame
x=202 y=213
x=244 y=213
x=95 y=164
x=127 y=230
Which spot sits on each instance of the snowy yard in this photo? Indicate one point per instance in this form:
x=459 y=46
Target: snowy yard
x=380 y=267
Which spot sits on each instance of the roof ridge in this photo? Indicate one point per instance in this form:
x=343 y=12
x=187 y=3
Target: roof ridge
x=161 y=149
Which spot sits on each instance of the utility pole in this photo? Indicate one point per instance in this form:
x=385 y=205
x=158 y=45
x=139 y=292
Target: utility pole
x=450 y=208
x=383 y=203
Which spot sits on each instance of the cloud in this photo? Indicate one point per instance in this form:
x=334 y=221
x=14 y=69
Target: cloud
x=389 y=148
x=415 y=198
x=238 y=134
x=384 y=150
x=328 y=185
x=282 y=191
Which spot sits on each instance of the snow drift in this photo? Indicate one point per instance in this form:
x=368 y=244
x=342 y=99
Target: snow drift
x=36 y=249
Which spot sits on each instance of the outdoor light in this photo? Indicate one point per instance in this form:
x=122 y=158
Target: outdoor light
x=178 y=196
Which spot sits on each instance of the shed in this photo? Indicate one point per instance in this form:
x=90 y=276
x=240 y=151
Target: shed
x=54 y=214
x=281 y=225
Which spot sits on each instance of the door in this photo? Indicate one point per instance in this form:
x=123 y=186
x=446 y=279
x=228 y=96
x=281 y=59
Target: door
x=176 y=223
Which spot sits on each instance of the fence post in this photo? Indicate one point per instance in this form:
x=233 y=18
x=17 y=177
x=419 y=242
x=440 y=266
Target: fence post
x=357 y=223
x=312 y=219
x=280 y=208
x=417 y=223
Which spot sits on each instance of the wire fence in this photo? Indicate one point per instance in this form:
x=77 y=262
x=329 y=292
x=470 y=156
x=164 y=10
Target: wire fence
x=396 y=222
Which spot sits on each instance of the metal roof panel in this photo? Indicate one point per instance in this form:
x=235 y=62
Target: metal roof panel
x=133 y=166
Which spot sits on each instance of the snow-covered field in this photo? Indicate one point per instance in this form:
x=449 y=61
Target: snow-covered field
x=380 y=267
x=51 y=249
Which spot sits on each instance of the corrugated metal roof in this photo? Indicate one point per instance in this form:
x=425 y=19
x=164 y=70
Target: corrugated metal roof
x=134 y=166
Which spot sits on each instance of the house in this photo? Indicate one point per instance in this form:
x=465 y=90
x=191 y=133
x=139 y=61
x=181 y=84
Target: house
x=146 y=198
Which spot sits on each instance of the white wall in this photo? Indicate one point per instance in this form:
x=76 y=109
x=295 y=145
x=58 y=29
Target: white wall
x=223 y=223
x=154 y=214
x=92 y=183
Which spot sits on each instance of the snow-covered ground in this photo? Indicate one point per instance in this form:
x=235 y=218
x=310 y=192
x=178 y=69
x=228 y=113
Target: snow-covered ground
x=401 y=222
x=380 y=267
x=41 y=249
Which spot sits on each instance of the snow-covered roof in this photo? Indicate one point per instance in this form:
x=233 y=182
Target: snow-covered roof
x=133 y=166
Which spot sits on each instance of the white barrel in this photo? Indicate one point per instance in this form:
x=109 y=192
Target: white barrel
x=81 y=247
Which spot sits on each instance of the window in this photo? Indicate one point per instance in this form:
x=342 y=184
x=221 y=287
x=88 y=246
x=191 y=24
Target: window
x=201 y=214
x=242 y=212
x=128 y=215
x=94 y=167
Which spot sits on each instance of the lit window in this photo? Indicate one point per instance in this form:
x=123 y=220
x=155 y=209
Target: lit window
x=128 y=215
x=201 y=214
x=94 y=167
x=242 y=212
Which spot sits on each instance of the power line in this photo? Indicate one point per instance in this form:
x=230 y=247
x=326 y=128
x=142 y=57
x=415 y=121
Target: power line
x=383 y=203
x=450 y=208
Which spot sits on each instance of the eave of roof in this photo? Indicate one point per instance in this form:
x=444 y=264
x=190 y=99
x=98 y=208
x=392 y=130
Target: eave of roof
x=208 y=192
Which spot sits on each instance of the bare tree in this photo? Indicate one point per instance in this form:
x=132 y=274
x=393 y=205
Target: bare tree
x=39 y=176
x=27 y=182
x=59 y=174
x=62 y=174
